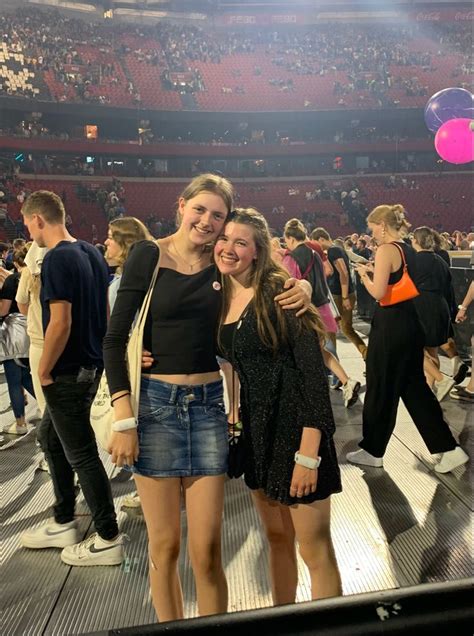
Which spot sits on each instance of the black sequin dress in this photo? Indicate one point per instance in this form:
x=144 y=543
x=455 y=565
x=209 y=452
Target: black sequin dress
x=280 y=395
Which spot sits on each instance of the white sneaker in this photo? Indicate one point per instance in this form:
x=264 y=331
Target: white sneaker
x=131 y=501
x=51 y=535
x=43 y=465
x=443 y=387
x=364 y=458
x=451 y=460
x=15 y=429
x=350 y=392
x=95 y=551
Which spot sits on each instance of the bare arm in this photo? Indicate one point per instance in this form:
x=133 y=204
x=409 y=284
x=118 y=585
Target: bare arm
x=468 y=298
x=377 y=287
x=55 y=339
x=5 y=307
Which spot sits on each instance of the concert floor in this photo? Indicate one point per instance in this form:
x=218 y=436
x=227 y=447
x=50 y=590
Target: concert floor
x=392 y=527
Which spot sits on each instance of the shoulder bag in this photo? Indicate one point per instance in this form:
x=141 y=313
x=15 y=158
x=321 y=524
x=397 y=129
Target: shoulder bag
x=404 y=289
x=102 y=413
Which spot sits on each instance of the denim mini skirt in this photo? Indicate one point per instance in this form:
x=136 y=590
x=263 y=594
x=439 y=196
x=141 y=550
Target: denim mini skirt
x=182 y=430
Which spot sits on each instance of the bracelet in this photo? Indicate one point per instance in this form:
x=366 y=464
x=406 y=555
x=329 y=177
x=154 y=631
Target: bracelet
x=462 y=308
x=124 y=425
x=308 y=462
x=119 y=397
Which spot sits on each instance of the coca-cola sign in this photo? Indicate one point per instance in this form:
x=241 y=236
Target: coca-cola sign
x=468 y=16
x=432 y=16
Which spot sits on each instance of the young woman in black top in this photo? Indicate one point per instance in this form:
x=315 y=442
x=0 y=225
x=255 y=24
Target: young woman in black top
x=435 y=306
x=395 y=355
x=180 y=444
x=286 y=412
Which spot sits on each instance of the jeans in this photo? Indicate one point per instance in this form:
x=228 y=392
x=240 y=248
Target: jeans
x=18 y=378
x=68 y=442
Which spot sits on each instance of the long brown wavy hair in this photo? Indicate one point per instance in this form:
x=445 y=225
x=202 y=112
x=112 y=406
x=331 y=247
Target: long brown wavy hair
x=267 y=279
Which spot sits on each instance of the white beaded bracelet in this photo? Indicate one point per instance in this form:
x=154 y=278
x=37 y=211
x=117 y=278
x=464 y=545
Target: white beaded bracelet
x=124 y=425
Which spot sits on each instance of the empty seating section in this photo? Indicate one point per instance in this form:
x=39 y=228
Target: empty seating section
x=444 y=202
x=15 y=77
x=83 y=214
x=147 y=77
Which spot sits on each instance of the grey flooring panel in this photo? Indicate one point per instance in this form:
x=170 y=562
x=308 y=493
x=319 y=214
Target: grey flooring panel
x=392 y=527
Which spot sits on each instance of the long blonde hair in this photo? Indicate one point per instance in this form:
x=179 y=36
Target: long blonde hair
x=267 y=279
x=394 y=216
x=125 y=232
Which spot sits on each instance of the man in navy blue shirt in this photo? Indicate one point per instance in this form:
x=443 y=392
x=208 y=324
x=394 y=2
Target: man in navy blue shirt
x=74 y=279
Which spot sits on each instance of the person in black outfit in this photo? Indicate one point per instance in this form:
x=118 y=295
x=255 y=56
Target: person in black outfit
x=435 y=305
x=286 y=412
x=460 y=368
x=395 y=355
x=17 y=370
x=303 y=262
x=74 y=282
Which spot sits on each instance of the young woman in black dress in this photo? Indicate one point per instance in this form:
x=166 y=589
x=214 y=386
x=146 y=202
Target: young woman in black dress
x=435 y=306
x=395 y=354
x=286 y=412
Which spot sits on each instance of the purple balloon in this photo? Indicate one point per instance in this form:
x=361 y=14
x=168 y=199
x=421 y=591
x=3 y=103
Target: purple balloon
x=454 y=141
x=450 y=103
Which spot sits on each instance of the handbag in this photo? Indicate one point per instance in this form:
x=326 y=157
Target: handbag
x=404 y=289
x=102 y=413
x=14 y=339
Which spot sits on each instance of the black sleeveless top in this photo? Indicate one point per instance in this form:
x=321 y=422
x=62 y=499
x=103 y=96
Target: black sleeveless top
x=181 y=326
x=410 y=257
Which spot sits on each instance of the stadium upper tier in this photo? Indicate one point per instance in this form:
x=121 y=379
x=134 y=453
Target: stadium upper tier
x=47 y=56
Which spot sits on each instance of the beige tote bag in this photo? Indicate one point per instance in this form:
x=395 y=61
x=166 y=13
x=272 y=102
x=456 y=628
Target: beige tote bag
x=102 y=413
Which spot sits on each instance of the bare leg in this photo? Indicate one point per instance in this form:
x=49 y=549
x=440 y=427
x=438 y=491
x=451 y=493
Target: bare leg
x=450 y=348
x=204 y=497
x=333 y=364
x=161 y=504
x=312 y=524
x=280 y=533
x=432 y=372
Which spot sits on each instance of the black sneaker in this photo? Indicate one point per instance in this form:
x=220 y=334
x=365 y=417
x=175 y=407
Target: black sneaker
x=460 y=393
x=461 y=373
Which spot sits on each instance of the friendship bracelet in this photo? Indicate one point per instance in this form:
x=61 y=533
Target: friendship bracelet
x=119 y=398
x=124 y=425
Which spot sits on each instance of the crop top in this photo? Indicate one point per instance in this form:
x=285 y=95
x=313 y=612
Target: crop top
x=181 y=326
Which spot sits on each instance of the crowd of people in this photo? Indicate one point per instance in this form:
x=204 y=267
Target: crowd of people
x=220 y=287
x=368 y=55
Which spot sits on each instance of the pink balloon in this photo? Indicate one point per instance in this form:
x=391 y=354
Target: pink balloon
x=454 y=141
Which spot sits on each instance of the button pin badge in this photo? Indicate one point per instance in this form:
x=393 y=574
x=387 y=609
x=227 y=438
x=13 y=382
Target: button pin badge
x=216 y=285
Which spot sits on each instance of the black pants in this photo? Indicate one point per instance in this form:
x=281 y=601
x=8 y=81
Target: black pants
x=395 y=370
x=68 y=442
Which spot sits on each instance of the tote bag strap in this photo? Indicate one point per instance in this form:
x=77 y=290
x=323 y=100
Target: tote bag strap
x=142 y=316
